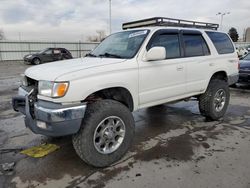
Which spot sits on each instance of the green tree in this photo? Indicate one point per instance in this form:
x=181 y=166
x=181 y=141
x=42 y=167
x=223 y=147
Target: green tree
x=233 y=34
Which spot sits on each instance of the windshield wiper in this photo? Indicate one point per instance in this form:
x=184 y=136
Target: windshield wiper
x=109 y=55
x=90 y=55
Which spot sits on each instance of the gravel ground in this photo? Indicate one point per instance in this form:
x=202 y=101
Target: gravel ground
x=174 y=146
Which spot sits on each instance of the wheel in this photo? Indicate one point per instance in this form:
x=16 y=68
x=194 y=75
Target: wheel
x=61 y=58
x=106 y=133
x=36 y=61
x=214 y=102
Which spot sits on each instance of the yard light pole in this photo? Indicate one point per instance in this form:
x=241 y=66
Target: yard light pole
x=222 y=14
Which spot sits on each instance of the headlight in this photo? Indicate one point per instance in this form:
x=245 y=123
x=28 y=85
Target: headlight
x=52 y=89
x=28 y=56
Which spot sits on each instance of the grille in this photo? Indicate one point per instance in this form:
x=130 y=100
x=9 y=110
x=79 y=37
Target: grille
x=32 y=82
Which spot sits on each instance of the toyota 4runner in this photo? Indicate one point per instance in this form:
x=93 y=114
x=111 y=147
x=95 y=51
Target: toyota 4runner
x=151 y=62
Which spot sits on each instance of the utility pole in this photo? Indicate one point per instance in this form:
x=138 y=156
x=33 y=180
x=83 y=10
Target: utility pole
x=110 y=29
x=221 y=18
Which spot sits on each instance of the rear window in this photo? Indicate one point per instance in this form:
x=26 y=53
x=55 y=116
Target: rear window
x=221 y=42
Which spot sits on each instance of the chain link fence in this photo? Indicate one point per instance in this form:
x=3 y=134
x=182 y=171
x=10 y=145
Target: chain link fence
x=242 y=44
x=16 y=50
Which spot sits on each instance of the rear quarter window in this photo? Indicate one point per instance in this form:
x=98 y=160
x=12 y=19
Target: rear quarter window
x=221 y=42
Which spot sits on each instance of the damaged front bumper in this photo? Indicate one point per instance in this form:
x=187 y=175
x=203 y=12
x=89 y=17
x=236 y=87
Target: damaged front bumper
x=48 y=118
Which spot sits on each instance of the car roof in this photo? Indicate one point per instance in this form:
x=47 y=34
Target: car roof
x=56 y=48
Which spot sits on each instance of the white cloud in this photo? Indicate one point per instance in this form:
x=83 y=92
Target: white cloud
x=76 y=19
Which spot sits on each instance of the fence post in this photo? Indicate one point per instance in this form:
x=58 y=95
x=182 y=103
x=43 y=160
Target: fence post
x=0 y=52
x=80 y=52
x=29 y=47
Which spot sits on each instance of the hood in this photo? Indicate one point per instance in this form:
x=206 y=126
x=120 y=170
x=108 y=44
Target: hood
x=51 y=71
x=31 y=54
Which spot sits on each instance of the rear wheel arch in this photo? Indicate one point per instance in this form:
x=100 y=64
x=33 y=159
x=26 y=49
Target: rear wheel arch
x=220 y=75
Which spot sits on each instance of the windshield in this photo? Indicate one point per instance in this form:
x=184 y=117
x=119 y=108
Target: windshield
x=43 y=51
x=247 y=57
x=120 y=45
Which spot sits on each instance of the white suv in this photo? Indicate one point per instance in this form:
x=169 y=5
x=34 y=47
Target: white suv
x=92 y=98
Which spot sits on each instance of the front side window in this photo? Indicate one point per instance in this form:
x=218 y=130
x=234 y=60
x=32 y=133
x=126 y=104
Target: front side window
x=43 y=51
x=64 y=51
x=195 y=45
x=121 y=45
x=48 y=52
x=170 y=42
x=221 y=42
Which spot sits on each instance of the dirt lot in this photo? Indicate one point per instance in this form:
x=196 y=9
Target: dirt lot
x=174 y=147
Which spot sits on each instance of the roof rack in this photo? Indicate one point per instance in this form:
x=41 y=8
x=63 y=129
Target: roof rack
x=161 y=21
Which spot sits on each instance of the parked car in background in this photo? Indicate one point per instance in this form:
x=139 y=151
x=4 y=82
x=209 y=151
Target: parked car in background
x=241 y=52
x=244 y=72
x=248 y=48
x=48 y=55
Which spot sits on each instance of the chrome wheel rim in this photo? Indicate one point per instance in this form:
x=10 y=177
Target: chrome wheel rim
x=219 y=100
x=109 y=135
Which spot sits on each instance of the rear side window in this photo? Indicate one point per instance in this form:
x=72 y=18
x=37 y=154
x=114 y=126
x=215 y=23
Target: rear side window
x=195 y=45
x=63 y=51
x=221 y=42
x=170 y=42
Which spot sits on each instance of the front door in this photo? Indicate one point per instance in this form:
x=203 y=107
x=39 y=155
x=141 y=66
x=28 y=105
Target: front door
x=48 y=56
x=164 y=80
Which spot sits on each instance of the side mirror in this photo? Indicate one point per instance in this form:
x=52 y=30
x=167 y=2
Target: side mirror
x=156 y=53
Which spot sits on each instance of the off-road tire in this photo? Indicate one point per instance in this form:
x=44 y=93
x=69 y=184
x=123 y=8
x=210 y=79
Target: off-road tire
x=206 y=100
x=95 y=113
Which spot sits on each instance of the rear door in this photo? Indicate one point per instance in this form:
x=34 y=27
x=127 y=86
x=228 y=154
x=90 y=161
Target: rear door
x=57 y=54
x=197 y=59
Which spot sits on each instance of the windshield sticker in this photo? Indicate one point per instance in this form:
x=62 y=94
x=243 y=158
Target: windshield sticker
x=137 y=34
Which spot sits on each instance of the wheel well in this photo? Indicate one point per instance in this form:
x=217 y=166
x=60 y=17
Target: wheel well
x=116 y=93
x=36 y=58
x=221 y=75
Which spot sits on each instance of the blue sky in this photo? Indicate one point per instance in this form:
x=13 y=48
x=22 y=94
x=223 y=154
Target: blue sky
x=76 y=19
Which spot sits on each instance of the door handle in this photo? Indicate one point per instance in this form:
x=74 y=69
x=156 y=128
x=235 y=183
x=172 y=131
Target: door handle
x=179 y=68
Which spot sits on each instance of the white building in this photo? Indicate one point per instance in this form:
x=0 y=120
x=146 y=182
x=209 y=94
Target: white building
x=247 y=35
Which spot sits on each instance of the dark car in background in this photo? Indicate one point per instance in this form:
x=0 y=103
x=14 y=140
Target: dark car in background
x=48 y=55
x=244 y=72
